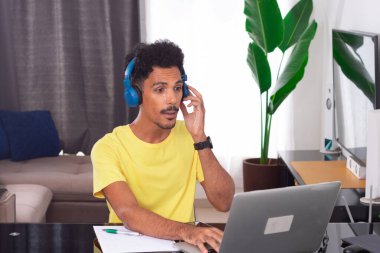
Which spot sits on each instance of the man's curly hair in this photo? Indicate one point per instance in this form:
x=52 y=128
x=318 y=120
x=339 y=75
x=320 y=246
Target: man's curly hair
x=161 y=53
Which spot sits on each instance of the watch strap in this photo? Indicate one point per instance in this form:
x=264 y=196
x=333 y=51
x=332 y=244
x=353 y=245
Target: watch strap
x=203 y=144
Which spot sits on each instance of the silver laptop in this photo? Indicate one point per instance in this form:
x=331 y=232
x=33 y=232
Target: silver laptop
x=291 y=219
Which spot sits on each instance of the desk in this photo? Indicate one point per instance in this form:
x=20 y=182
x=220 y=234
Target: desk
x=46 y=238
x=80 y=237
x=359 y=211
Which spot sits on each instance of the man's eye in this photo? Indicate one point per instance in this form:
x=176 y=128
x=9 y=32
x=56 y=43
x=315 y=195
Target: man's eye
x=159 y=90
x=178 y=88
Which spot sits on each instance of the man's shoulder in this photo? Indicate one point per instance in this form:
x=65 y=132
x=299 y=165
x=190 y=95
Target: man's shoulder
x=111 y=138
x=114 y=134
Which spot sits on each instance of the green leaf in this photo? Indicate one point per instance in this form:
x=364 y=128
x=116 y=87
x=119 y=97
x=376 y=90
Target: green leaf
x=295 y=23
x=264 y=23
x=353 y=68
x=353 y=41
x=259 y=65
x=294 y=69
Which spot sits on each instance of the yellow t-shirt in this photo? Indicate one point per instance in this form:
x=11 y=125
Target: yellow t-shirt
x=162 y=176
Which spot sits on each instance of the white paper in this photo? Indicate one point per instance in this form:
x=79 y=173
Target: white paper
x=127 y=243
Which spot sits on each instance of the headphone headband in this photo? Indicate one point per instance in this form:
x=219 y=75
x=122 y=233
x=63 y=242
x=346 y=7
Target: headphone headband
x=129 y=69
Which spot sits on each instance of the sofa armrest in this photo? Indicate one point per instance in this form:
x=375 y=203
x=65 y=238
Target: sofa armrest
x=7 y=207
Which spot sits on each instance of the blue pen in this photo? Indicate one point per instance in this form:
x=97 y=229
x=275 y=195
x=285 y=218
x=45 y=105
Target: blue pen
x=117 y=231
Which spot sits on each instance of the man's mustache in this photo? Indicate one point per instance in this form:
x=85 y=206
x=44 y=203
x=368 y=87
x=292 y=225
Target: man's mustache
x=170 y=109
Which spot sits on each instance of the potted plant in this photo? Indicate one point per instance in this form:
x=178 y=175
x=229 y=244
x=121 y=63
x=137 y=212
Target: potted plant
x=268 y=31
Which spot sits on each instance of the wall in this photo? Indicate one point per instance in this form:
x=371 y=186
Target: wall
x=212 y=36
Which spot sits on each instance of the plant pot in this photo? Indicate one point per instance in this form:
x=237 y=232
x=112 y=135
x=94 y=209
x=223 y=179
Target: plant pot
x=258 y=176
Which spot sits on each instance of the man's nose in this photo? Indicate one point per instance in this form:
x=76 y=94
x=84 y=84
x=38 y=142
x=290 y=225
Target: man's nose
x=171 y=97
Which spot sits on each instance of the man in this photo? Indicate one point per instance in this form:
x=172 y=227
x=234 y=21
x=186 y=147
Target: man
x=148 y=169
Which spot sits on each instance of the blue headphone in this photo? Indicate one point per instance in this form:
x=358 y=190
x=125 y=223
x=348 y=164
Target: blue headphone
x=132 y=94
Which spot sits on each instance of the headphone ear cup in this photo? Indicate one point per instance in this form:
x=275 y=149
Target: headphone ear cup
x=132 y=96
x=185 y=88
x=139 y=94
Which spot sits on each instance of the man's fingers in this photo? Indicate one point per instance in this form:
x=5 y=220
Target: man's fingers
x=214 y=244
x=218 y=232
x=194 y=95
x=195 y=104
x=183 y=109
x=192 y=98
x=202 y=247
x=194 y=101
x=201 y=235
x=216 y=237
x=193 y=90
x=213 y=237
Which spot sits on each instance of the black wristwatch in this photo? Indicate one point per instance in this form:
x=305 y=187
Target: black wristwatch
x=204 y=144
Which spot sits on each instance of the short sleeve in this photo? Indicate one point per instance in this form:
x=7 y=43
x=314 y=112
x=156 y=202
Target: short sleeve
x=106 y=167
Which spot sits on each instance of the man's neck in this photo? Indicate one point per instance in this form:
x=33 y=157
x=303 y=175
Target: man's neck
x=148 y=131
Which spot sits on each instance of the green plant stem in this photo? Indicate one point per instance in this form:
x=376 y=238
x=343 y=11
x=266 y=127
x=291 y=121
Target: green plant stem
x=264 y=132
x=263 y=124
x=267 y=136
x=261 y=127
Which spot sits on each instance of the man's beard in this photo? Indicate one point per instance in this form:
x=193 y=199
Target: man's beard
x=169 y=109
x=166 y=127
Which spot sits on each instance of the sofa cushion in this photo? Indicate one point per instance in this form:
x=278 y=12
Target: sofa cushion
x=32 y=202
x=7 y=206
x=31 y=134
x=4 y=144
x=68 y=176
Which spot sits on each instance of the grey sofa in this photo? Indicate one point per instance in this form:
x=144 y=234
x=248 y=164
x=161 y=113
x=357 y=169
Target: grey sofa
x=67 y=177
